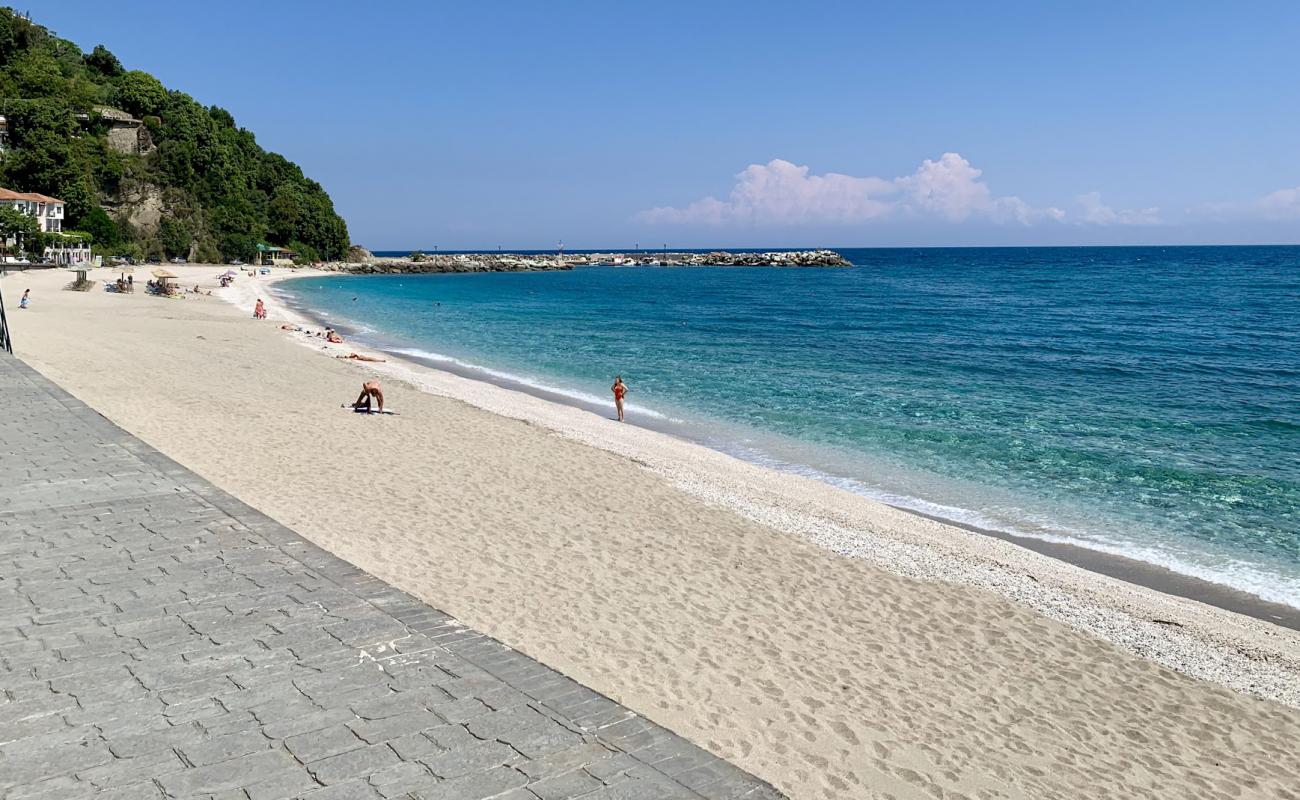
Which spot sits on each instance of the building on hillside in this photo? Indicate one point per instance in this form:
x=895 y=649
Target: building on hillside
x=66 y=249
x=270 y=255
x=126 y=134
x=47 y=210
x=4 y=134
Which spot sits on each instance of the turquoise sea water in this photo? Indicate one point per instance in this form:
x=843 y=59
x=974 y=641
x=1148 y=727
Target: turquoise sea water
x=1142 y=401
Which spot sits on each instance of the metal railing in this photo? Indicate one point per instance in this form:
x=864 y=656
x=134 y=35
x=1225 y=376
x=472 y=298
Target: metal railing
x=6 y=341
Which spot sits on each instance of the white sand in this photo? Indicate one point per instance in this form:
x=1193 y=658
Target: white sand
x=832 y=645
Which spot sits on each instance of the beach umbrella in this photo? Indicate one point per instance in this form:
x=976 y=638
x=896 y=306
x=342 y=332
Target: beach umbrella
x=163 y=274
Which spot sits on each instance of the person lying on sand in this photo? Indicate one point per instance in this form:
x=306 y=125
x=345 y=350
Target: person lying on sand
x=290 y=328
x=360 y=357
x=369 y=389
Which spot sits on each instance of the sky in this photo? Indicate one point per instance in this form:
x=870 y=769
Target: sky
x=472 y=125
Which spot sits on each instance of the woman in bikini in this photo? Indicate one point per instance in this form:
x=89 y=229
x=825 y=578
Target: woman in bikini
x=619 y=388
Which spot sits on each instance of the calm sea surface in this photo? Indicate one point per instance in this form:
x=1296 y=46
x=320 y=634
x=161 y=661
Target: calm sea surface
x=1142 y=401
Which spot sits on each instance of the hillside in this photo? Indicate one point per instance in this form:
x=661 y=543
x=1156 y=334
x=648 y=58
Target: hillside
x=143 y=169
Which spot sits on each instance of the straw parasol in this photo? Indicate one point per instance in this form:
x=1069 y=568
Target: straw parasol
x=162 y=274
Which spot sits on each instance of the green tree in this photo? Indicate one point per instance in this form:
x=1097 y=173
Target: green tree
x=140 y=93
x=284 y=213
x=104 y=62
x=103 y=231
x=8 y=39
x=23 y=229
x=37 y=75
x=175 y=237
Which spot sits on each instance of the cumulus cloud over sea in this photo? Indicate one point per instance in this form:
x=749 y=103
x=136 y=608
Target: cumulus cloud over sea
x=948 y=188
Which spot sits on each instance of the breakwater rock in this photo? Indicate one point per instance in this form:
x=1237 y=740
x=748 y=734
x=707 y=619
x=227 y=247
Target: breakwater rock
x=716 y=258
x=515 y=262
x=456 y=262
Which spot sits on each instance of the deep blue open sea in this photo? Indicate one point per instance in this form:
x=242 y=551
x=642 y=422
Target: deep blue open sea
x=1142 y=401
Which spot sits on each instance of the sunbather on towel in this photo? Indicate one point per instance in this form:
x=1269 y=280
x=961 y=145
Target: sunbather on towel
x=360 y=357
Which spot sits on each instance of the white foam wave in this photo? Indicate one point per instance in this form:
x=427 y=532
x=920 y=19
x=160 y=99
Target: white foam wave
x=1273 y=586
x=523 y=380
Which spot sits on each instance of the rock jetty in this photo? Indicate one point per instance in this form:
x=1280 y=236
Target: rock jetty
x=516 y=262
x=717 y=258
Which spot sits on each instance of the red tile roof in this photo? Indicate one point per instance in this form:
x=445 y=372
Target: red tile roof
x=7 y=194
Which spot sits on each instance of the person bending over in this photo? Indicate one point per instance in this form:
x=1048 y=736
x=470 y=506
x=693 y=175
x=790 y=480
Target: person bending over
x=369 y=389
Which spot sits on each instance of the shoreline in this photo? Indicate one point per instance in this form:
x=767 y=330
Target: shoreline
x=830 y=644
x=1136 y=605
x=1144 y=574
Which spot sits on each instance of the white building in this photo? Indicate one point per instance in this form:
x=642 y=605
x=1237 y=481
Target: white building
x=48 y=212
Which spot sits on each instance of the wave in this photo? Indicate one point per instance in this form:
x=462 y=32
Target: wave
x=578 y=395
x=1233 y=573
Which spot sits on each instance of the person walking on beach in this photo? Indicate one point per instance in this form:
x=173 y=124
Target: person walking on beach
x=23 y=302
x=259 y=311
x=619 y=388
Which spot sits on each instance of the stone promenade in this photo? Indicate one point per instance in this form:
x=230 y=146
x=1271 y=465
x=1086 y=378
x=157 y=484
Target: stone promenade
x=159 y=638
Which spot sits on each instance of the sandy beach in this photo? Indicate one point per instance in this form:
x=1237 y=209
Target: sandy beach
x=830 y=644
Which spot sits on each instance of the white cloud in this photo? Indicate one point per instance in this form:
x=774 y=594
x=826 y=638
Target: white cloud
x=952 y=189
x=1284 y=204
x=1096 y=212
x=780 y=192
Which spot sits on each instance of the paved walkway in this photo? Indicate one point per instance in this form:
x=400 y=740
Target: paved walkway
x=159 y=638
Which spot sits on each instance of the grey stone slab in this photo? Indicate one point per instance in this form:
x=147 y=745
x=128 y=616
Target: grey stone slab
x=474 y=758
x=157 y=634
x=476 y=786
x=226 y=775
x=381 y=730
x=224 y=748
x=402 y=779
x=352 y=790
x=121 y=772
x=352 y=764
x=587 y=754
x=314 y=746
x=574 y=783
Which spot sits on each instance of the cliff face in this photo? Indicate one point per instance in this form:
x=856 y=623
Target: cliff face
x=146 y=170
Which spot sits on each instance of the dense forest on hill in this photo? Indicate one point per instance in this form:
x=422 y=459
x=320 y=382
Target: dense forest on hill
x=196 y=185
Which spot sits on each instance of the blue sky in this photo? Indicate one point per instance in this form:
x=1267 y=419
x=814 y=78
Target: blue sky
x=750 y=124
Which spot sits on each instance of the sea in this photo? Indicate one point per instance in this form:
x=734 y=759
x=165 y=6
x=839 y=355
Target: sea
x=1140 y=401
